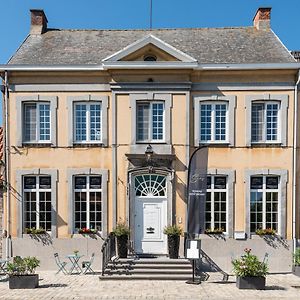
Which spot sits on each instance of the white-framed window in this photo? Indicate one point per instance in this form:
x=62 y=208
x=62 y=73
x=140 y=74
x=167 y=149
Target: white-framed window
x=265 y=122
x=88 y=202
x=36 y=122
x=216 y=203
x=213 y=122
x=37 y=205
x=150 y=121
x=87 y=122
x=264 y=202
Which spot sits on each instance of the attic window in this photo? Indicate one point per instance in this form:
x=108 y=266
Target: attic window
x=150 y=58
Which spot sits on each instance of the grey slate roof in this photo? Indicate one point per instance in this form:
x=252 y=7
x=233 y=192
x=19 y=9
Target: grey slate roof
x=207 y=45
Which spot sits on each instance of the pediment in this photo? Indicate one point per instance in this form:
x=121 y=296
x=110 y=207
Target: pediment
x=149 y=46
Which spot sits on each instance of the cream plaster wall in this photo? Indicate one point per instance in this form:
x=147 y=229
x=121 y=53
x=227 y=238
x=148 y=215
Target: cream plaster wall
x=238 y=158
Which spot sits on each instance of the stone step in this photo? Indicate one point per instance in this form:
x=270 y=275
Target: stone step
x=148 y=271
x=149 y=266
x=147 y=277
x=125 y=261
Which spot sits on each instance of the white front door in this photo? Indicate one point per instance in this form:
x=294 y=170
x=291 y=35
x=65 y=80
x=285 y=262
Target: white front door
x=150 y=214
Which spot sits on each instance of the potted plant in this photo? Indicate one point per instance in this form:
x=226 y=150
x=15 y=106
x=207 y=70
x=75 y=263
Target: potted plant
x=121 y=232
x=296 y=264
x=21 y=273
x=173 y=232
x=214 y=231
x=87 y=231
x=35 y=231
x=251 y=273
x=267 y=231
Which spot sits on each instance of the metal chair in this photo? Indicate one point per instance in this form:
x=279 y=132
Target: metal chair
x=61 y=264
x=87 y=265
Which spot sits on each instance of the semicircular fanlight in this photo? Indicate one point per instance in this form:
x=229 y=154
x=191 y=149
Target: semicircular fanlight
x=150 y=185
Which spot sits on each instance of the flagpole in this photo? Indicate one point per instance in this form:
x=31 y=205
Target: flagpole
x=150 y=14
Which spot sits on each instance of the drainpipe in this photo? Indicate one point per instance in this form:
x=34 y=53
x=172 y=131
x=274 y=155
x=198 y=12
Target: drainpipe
x=114 y=159
x=7 y=174
x=295 y=161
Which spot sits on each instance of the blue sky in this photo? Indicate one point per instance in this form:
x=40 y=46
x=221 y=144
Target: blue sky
x=121 y=14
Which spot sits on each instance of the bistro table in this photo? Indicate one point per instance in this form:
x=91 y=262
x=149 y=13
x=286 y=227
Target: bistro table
x=74 y=259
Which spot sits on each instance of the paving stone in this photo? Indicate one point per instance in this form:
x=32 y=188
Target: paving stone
x=89 y=287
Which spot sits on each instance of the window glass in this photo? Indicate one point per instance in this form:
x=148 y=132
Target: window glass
x=29 y=182
x=37 y=208
x=95 y=182
x=264 y=203
x=36 y=119
x=80 y=182
x=264 y=122
x=213 y=122
x=150 y=121
x=216 y=204
x=256 y=182
x=88 y=203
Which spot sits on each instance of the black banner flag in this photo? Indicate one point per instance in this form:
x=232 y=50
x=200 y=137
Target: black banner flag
x=197 y=185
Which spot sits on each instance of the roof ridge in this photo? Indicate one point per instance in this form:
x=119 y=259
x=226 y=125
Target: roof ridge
x=153 y=29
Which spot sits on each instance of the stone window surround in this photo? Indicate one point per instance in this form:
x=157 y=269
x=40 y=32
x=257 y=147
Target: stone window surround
x=88 y=98
x=284 y=102
x=282 y=207
x=104 y=195
x=19 y=184
x=158 y=147
x=230 y=174
x=231 y=100
x=20 y=100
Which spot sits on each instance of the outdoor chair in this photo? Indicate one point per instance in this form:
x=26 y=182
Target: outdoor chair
x=61 y=264
x=87 y=265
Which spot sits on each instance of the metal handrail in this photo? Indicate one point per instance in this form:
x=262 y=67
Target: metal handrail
x=108 y=251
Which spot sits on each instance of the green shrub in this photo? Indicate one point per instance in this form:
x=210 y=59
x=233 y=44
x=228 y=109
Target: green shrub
x=121 y=229
x=249 y=265
x=297 y=257
x=22 y=266
x=173 y=230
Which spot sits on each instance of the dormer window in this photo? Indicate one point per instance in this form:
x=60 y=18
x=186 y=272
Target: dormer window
x=150 y=57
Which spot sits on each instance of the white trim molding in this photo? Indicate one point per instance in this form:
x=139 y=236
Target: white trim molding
x=20 y=100
x=149 y=39
x=19 y=185
x=71 y=173
x=282 y=209
x=283 y=118
x=231 y=100
x=159 y=147
x=104 y=121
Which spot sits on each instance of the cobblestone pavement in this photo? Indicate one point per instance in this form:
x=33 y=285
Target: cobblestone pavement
x=90 y=287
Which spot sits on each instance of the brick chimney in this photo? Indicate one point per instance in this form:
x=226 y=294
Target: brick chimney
x=38 y=21
x=262 y=18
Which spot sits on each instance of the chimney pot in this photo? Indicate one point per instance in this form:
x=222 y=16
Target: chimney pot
x=38 y=21
x=262 y=18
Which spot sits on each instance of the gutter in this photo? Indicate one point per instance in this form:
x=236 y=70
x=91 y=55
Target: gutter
x=150 y=65
x=7 y=174
x=295 y=163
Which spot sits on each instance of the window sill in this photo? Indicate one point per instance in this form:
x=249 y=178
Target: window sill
x=86 y=235
x=37 y=145
x=88 y=145
x=158 y=148
x=213 y=144
x=267 y=145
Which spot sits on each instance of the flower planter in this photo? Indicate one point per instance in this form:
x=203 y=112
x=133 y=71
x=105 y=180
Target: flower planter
x=296 y=270
x=23 y=281
x=251 y=283
x=173 y=245
x=122 y=243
